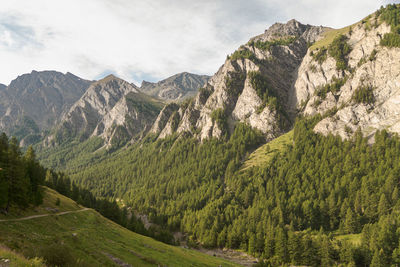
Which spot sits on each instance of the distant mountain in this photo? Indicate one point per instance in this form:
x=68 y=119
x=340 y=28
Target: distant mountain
x=2 y=86
x=110 y=108
x=177 y=87
x=34 y=102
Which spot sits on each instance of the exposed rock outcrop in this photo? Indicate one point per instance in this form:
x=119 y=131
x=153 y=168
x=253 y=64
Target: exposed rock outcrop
x=85 y=114
x=34 y=102
x=130 y=118
x=112 y=109
x=163 y=117
x=230 y=94
x=370 y=67
x=178 y=87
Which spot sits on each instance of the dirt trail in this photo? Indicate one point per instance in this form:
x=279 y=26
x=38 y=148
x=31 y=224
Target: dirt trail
x=43 y=215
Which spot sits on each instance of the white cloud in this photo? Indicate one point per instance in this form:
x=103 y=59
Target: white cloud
x=6 y=39
x=146 y=39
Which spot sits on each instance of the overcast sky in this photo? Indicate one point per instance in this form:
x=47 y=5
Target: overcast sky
x=151 y=40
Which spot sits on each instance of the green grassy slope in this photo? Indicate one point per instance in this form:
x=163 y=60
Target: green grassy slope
x=48 y=206
x=354 y=239
x=11 y=259
x=87 y=239
x=330 y=34
x=262 y=155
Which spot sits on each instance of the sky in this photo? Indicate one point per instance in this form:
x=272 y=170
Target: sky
x=148 y=40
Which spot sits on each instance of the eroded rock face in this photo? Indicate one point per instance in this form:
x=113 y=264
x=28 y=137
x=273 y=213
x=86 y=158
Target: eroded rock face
x=178 y=87
x=163 y=117
x=131 y=117
x=99 y=99
x=230 y=90
x=371 y=66
x=111 y=109
x=34 y=102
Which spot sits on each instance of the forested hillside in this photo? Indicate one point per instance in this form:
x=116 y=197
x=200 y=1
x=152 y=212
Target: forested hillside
x=44 y=225
x=291 y=210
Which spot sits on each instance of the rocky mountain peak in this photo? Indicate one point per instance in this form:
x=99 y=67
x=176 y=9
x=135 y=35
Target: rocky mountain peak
x=253 y=86
x=98 y=101
x=292 y=28
x=33 y=102
x=177 y=87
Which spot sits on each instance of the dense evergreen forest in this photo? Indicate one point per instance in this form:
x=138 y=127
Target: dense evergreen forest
x=20 y=175
x=288 y=211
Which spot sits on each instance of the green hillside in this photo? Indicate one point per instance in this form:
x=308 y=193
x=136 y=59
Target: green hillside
x=265 y=153
x=85 y=238
x=13 y=259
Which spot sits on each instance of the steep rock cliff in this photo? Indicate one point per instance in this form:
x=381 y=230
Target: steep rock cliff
x=253 y=86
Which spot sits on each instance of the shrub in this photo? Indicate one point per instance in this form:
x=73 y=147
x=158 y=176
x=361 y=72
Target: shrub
x=320 y=55
x=242 y=53
x=364 y=94
x=391 y=40
x=263 y=89
x=333 y=87
x=391 y=15
x=339 y=49
x=234 y=83
x=372 y=57
x=219 y=117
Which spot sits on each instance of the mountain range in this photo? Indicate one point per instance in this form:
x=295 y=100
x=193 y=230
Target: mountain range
x=266 y=83
x=58 y=107
x=289 y=152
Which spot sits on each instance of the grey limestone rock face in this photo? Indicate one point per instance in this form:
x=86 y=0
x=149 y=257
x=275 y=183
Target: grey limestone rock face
x=231 y=90
x=34 y=102
x=381 y=72
x=131 y=116
x=83 y=117
x=163 y=117
x=178 y=87
x=111 y=109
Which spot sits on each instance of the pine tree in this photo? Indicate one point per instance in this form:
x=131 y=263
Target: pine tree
x=221 y=241
x=281 y=244
x=377 y=260
x=350 y=224
x=325 y=251
x=269 y=248
x=383 y=206
x=19 y=187
x=252 y=244
x=35 y=175
x=295 y=249
x=4 y=178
